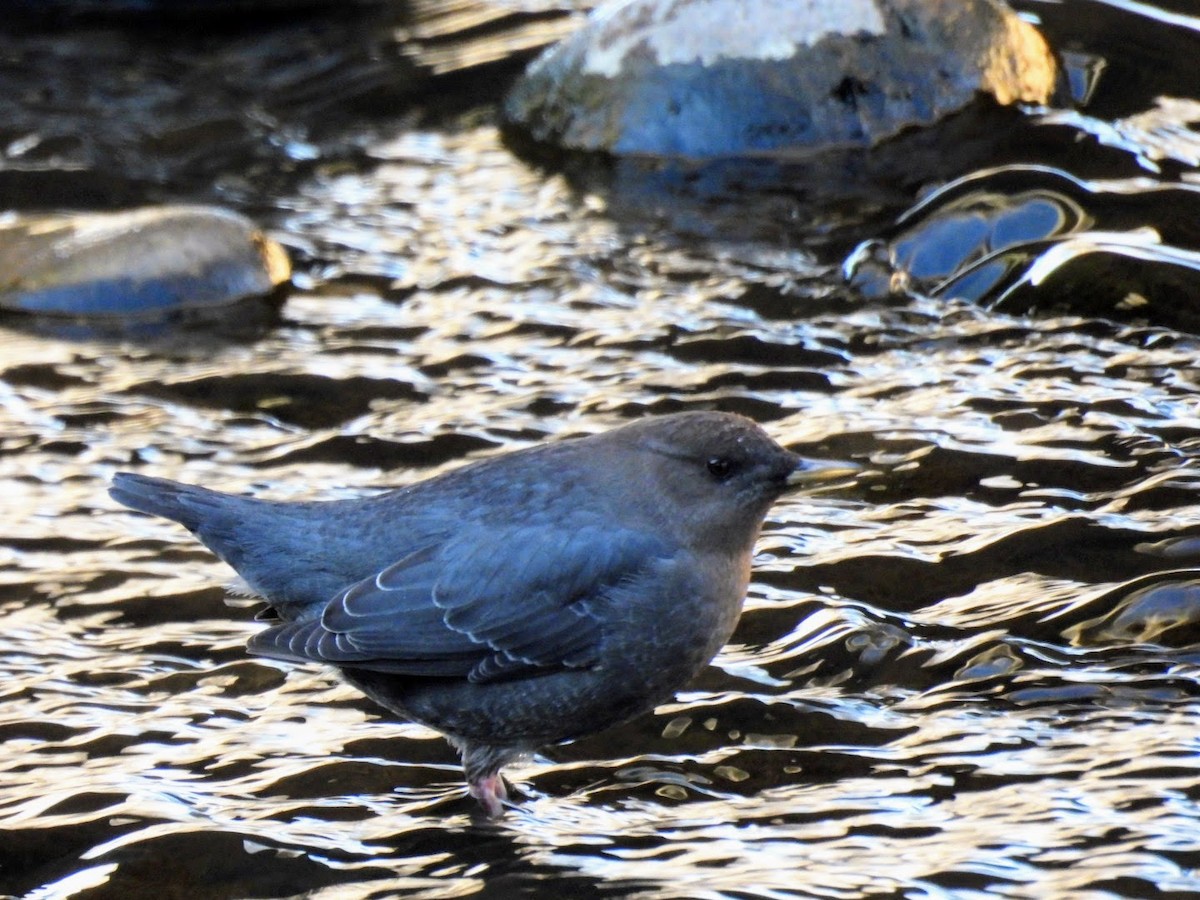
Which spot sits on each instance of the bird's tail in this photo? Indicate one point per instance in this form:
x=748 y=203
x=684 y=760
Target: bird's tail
x=187 y=504
x=279 y=549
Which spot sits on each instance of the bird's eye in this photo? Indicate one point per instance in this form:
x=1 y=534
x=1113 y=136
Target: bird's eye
x=719 y=467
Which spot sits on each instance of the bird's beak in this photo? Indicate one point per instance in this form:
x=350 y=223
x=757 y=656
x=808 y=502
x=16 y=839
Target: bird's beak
x=810 y=472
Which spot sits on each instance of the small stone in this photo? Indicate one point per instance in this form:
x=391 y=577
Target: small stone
x=137 y=263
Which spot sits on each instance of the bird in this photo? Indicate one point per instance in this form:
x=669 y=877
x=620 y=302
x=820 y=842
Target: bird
x=519 y=601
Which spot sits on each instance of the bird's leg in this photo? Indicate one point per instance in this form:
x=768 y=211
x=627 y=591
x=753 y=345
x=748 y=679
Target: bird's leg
x=482 y=764
x=491 y=793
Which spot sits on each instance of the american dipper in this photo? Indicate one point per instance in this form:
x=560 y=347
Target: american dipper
x=519 y=601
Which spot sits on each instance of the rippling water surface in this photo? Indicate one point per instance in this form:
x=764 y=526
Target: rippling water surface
x=974 y=673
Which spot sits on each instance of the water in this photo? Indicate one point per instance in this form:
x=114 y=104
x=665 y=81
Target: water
x=972 y=674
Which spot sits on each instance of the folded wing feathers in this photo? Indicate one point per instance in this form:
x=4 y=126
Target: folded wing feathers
x=463 y=609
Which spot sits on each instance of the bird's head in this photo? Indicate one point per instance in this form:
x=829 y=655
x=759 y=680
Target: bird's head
x=711 y=476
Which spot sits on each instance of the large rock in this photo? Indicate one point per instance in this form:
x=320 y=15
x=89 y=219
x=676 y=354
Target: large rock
x=704 y=78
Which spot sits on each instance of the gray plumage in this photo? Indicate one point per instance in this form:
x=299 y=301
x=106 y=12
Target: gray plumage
x=527 y=599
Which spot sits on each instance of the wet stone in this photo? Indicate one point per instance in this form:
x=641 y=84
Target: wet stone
x=147 y=262
x=703 y=78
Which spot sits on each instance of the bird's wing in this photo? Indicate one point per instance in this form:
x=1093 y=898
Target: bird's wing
x=485 y=605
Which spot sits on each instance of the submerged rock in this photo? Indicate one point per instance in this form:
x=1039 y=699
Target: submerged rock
x=721 y=77
x=1033 y=239
x=142 y=263
x=1162 y=608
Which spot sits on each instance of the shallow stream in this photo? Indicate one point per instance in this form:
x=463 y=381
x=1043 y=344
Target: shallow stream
x=974 y=674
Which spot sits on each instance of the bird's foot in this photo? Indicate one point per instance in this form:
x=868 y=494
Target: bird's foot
x=492 y=794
